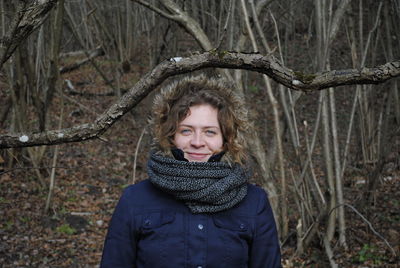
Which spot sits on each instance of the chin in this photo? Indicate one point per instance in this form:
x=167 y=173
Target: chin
x=197 y=160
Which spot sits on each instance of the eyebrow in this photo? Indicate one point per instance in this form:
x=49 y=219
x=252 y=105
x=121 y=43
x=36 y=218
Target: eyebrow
x=185 y=125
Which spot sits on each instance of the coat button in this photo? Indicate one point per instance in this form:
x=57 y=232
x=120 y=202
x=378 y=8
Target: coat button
x=200 y=226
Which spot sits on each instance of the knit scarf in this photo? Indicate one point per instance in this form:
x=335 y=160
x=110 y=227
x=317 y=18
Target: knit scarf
x=205 y=187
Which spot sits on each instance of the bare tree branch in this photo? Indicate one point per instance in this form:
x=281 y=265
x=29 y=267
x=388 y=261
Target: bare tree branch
x=157 y=10
x=268 y=65
x=183 y=19
x=92 y=54
x=369 y=225
x=27 y=20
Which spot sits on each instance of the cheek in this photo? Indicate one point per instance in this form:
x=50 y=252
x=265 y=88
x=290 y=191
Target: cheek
x=217 y=144
x=179 y=141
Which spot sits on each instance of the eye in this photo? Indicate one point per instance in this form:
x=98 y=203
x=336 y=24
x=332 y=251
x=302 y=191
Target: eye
x=185 y=131
x=210 y=132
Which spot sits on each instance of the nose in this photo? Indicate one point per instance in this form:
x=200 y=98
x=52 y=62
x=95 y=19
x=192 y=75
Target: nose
x=197 y=140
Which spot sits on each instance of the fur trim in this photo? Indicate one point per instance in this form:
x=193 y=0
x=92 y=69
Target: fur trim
x=173 y=92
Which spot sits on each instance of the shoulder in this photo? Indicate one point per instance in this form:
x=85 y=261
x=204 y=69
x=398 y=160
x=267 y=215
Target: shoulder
x=257 y=196
x=253 y=189
x=253 y=203
x=255 y=192
x=144 y=185
x=144 y=196
x=139 y=192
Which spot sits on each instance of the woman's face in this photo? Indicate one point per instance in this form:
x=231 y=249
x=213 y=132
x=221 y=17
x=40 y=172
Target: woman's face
x=199 y=135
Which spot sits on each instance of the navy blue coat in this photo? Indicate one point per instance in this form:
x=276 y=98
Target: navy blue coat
x=150 y=229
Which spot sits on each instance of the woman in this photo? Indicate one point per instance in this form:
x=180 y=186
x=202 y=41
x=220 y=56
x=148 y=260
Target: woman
x=197 y=208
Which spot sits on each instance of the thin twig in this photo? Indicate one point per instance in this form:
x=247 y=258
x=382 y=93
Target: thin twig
x=226 y=25
x=136 y=154
x=310 y=163
x=53 y=170
x=369 y=224
x=329 y=252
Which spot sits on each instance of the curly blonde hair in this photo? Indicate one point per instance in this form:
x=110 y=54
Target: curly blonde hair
x=172 y=105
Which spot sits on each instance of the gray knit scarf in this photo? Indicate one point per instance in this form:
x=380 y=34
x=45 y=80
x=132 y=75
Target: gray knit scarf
x=205 y=187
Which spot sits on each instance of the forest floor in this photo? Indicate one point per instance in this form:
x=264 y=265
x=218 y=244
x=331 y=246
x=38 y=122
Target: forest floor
x=90 y=177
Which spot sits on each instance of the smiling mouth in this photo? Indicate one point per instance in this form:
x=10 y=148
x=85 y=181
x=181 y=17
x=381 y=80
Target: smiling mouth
x=197 y=155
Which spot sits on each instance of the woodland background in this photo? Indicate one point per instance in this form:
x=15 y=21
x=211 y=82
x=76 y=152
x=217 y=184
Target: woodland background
x=329 y=158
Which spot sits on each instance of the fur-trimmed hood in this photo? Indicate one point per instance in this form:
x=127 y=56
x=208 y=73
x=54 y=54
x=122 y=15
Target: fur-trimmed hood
x=172 y=93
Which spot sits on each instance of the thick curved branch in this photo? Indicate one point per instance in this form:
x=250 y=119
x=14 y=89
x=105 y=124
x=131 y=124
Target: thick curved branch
x=27 y=20
x=268 y=65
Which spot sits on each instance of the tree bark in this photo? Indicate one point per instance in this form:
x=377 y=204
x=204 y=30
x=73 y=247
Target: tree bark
x=29 y=18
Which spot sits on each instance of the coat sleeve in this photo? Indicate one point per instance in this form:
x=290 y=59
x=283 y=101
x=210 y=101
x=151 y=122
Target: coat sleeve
x=120 y=243
x=265 y=249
